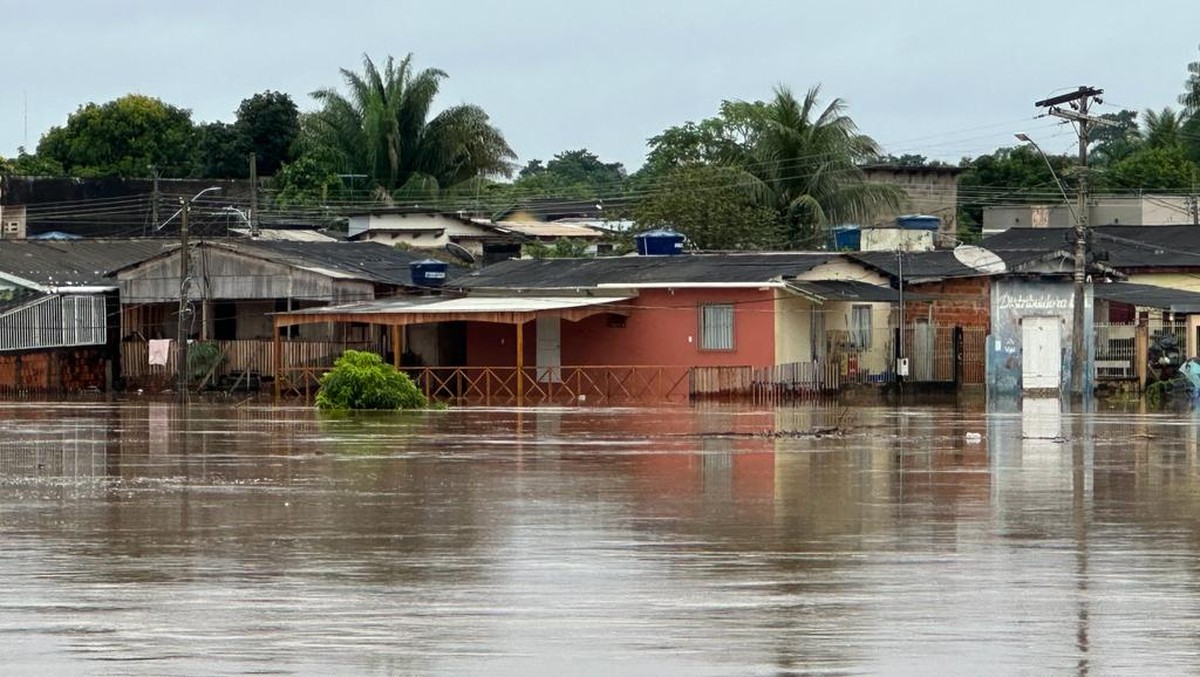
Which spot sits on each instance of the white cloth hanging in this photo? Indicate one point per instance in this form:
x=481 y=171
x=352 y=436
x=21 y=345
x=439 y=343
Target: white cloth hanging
x=160 y=349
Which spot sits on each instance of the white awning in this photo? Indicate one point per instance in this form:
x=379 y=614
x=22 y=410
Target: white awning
x=465 y=304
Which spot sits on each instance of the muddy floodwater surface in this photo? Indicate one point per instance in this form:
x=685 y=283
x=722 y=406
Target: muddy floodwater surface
x=138 y=538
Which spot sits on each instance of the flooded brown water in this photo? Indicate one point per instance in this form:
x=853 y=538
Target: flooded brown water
x=260 y=540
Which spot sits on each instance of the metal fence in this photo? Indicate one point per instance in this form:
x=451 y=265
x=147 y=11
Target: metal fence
x=58 y=321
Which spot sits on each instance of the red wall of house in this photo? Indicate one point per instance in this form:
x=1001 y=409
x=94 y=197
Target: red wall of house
x=656 y=332
x=963 y=302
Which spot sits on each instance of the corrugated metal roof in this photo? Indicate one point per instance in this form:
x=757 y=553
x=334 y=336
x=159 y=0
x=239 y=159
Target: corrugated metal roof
x=74 y=262
x=540 y=229
x=1126 y=246
x=1149 y=296
x=633 y=271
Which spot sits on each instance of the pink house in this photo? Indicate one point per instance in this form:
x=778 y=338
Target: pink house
x=629 y=328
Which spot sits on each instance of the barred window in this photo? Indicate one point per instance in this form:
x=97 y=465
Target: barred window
x=860 y=326
x=716 y=326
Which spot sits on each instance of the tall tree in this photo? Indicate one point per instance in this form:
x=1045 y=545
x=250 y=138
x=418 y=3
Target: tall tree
x=124 y=137
x=710 y=205
x=796 y=158
x=571 y=173
x=382 y=128
x=1163 y=129
x=807 y=161
x=1115 y=140
x=1017 y=174
x=268 y=124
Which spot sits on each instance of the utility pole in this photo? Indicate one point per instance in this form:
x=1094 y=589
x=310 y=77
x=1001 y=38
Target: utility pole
x=181 y=333
x=253 y=196
x=1077 y=112
x=154 y=196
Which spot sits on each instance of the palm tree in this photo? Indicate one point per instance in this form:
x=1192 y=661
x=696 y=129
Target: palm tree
x=382 y=129
x=805 y=163
x=1163 y=130
x=1190 y=99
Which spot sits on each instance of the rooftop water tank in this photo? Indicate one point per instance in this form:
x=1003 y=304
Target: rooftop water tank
x=659 y=243
x=428 y=272
x=847 y=238
x=919 y=222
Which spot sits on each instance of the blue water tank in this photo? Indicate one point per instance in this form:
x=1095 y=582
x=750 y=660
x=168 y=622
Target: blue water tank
x=428 y=272
x=847 y=238
x=659 y=243
x=919 y=222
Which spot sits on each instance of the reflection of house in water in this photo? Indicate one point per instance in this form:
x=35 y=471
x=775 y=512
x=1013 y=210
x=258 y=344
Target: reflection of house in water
x=60 y=446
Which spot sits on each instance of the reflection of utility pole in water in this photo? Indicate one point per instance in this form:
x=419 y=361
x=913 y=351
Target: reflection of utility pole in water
x=1081 y=494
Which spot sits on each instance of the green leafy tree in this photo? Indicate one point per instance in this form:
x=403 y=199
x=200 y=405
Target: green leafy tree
x=268 y=124
x=712 y=206
x=219 y=152
x=807 y=161
x=124 y=137
x=1008 y=175
x=1163 y=129
x=30 y=165
x=303 y=183
x=382 y=128
x=1153 y=169
x=362 y=380
x=1117 y=139
x=572 y=174
x=798 y=159
x=1190 y=98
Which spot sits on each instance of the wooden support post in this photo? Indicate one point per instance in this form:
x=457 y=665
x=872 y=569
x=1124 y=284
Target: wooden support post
x=397 y=344
x=1141 y=353
x=278 y=362
x=520 y=363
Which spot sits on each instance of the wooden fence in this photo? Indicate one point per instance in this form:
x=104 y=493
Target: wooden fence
x=238 y=358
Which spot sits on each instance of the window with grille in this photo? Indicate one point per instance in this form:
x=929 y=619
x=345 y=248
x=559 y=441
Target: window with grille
x=860 y=326
x=716 y=326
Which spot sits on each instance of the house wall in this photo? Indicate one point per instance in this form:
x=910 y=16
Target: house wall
x=841 y=268
x=793 y=328
x=876 y=357
x=964 y=302
x=223 y=274
x=662 y=329
x=896 y=239
x=55 y=370
x=930 y=190
x=1013 y=300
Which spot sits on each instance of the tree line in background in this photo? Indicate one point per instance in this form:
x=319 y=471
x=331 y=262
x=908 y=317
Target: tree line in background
x=762 y=174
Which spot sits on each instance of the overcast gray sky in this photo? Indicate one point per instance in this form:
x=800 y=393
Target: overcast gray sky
x=945 y=78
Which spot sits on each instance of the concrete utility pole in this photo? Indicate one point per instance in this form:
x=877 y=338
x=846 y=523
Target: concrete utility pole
x=181 y=334
x=1077 y=111
x=253 y=196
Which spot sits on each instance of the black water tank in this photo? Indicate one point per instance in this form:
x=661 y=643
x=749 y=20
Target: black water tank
x=428 y=272
x=659 y=243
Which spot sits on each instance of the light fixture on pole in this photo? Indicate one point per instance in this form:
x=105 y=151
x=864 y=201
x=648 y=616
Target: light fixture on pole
x=1078 y=359
x=181 y=330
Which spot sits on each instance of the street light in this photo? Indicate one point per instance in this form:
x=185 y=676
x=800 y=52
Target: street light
x=1079 y=362
x=185 y=205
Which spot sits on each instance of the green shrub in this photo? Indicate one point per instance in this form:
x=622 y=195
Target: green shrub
x=362 y=380
x=203 y=358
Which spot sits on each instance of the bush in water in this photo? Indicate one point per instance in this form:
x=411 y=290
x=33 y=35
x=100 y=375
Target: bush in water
x=362 y=380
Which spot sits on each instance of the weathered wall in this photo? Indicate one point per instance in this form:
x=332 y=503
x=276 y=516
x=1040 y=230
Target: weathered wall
x=662 y=329
x=1015 y=299
x=53 y=371
x=964 y=302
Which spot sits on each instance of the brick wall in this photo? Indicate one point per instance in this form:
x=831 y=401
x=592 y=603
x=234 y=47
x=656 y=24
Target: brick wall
x=53 y=371
x=964 y=302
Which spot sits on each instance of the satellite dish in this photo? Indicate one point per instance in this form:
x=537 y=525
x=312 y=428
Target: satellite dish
x=980 y=259
x=460 y=252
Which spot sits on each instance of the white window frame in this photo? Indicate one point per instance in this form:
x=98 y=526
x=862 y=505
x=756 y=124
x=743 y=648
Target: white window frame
x=716 y=327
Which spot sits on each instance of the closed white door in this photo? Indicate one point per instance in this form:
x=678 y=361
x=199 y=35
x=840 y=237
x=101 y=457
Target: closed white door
x=1041 y=353
x=549 y=349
